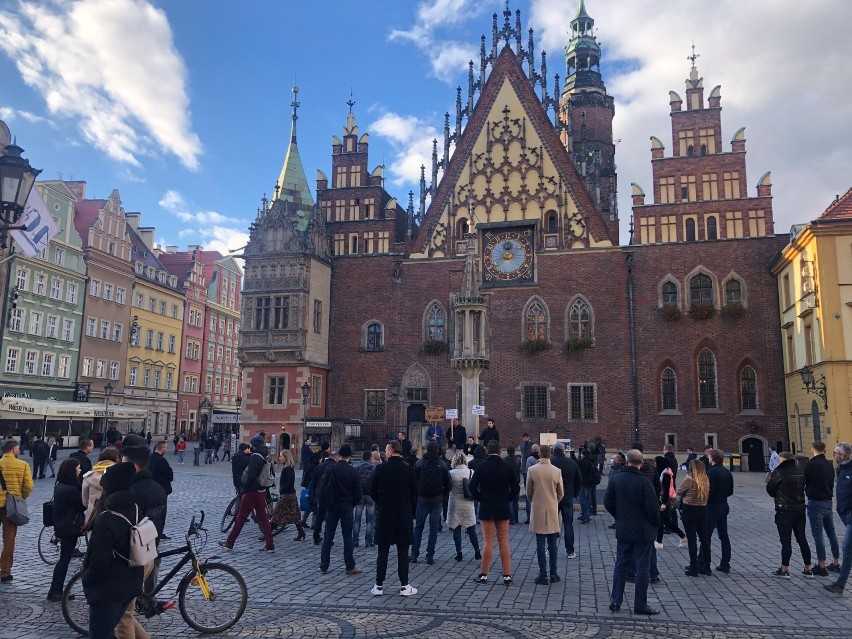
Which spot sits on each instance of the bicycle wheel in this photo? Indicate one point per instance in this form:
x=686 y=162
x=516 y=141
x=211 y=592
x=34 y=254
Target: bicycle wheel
x=227 y=603
x=48 y=546
x=230 y=514
x=74 y=606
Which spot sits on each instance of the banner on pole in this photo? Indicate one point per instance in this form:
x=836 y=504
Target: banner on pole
x=40 y=227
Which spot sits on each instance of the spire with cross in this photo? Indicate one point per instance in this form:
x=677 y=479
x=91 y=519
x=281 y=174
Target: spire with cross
x=295 y=104
x=350 y=102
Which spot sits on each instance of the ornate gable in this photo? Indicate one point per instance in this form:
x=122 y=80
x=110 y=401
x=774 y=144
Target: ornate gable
x=509 y=165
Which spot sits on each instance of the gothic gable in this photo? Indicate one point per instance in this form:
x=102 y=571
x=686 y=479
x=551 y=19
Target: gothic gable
x=509 y=166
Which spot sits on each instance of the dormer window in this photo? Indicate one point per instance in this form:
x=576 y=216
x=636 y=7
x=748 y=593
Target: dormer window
x=138 y=268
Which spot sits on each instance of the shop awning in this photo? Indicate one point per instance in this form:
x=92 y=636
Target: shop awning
x=20 y=408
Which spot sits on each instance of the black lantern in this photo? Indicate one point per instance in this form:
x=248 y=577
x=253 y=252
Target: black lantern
x=812 y=385
x=16 y=181
x=238 y=401
x=306 y=389
x=107 y=394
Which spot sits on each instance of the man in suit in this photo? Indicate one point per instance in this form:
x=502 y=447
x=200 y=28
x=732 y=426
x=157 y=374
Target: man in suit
x=494 y=485
x=631 y=500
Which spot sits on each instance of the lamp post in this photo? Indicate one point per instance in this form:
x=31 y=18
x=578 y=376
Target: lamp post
x=306 y=389
x=16 y=181
x=107 y=393
x=395 y=398
x=239 y=402
x=812 y=385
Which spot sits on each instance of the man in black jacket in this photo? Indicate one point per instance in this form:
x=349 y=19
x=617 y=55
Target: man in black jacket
x=238 y=465
x=721 y=487
x=256 y=483
x=162 y=473
x=82 y=455
x=456 y=435
x=819 y=489
x=319 y=509
x=787 y=486
x=433 y=482
x=843 y=457
x=39 y=452
x=347 y=493
x=631 y=500
x=490 y=433
x=571 y=483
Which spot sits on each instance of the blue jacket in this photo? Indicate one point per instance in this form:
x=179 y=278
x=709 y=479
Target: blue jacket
x=631 y=499
x=844 y=489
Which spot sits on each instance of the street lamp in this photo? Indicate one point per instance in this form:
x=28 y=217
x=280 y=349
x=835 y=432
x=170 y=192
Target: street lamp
x=107 y=393
x=239 y=402
x=817 y=387
x=16 y=181
x=306 y=389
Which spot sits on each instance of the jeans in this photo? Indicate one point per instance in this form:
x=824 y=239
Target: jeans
x=585 y=502
x=717 y=518
x=695 y=525
x=103 y=618
x=471 y=533
x=501 y=528
x=180 y=454
x=50 y=464
x=792 y=522
x=60 y=570
x=401 y=566
x=552 y=541
x=513 y=509
x=369 y=505
x=847 y=552
x=652 y=567
x=252 y=500
x=636 y=556
x=208 y=459
x=821 y=517
x=432 y=510
x=566 y=508
x=341 y=512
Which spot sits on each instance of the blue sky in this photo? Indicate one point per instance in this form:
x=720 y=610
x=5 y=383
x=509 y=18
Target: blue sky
x=183 y=106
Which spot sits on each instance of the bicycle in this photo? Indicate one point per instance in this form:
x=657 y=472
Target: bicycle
x=216 y=604
x=230 y=514
x=48 y=546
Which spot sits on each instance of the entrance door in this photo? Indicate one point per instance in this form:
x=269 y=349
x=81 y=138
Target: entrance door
x=753 y=447
x=415 y=414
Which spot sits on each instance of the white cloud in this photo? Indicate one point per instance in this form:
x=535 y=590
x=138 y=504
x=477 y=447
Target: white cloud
x=111 y=65
x=796 y=107
x=446 y=56
x=411 y=140
x=9 y=114
x=216 y=232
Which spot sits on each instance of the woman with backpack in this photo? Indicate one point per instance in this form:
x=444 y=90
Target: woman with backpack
x=287 y=508
x=68 y=519
x=668 y=498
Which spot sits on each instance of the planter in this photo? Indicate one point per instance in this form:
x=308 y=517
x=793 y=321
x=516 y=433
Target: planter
x=433 y=347
x=670 y=313
x=533 y=346
x=733 y=310
x=576 y=345
x=702 y=311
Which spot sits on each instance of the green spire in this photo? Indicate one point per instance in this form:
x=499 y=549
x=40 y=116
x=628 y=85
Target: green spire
x=581 y=12
x=292 y=183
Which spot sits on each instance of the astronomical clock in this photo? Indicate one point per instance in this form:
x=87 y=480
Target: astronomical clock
x=508 y=256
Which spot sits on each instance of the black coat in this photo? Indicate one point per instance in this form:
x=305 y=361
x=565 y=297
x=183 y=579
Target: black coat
x=85 y=462
x=106 y=577
x=162 y=471
x=151 y=498
x=395 y=493
x=54 y=451
x=347 y=482
x=488 y=434
x=239 y=461
x=721 y=484
x=632 y=500
x=787 y=486
x=493 y=485
x=572 y=481
x=68 y=509
x=39 y=450
x=457 y=436
x=819 y=479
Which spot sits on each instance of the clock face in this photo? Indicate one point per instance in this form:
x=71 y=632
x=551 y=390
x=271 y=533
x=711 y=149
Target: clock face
x=508 y=256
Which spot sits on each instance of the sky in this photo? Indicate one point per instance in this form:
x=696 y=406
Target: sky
x=184 y=105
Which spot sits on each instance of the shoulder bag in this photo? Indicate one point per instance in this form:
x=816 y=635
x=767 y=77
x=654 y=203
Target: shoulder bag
x=17 y=511
x=466 y=486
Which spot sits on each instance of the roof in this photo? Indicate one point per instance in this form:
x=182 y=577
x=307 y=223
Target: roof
x=840 y=209
x=86 y=213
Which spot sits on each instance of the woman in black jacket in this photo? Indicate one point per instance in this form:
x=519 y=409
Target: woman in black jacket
x=68 y=519
x=108 y=581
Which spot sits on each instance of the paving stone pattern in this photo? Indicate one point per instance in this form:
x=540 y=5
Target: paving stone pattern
x=288 y=598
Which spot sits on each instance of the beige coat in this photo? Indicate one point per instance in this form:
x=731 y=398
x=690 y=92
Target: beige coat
x=545 y=491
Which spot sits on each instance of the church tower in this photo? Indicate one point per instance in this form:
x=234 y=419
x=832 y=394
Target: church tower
x=286 y=299
x=587 y=111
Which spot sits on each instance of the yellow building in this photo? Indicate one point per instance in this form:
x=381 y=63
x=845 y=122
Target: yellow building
x=154 y=354
x=814 y=274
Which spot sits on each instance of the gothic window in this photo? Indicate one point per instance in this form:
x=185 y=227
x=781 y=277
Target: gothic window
x=733 y=292
x=436 y=322
x=712 y=229
x=462 y=227
x=701 y=289
x=670 y=295
x=580 y=320
x=689 y=226
x=535 y=320
x=748 y=389
x=282 y=312
x=373 y=338
x=552 y=223
x=707 y=379
x=261 y=313
x=668 y=389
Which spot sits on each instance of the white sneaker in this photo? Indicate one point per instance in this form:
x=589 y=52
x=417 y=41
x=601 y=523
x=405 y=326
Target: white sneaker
x=658 y=545
x=683 y=543
x=407 y=591
x=377 y=591
x=572 y=555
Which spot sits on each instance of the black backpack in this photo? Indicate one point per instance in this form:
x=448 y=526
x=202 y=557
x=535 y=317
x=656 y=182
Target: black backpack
x=366 y=470
x=327 y=490
x=431 y=482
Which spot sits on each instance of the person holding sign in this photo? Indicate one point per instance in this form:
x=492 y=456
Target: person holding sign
x=456 y=435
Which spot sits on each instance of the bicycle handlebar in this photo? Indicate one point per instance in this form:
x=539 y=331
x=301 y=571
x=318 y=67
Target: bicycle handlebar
x=195 y=527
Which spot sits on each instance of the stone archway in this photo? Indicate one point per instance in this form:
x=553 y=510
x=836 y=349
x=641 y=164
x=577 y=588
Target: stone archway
x=755 y=447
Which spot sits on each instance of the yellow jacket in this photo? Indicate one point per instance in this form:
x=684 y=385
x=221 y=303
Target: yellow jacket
x=18 y=477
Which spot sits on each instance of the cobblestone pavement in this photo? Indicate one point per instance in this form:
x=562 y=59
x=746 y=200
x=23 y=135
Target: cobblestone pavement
x=287 y=598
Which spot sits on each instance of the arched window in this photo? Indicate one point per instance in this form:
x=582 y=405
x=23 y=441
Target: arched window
x=712 y=232
x=535 y=321
x=551 y=223
x=707 y=379
x=463 y=227
x=701 y=289
x=436 y=322
x=748 y=389
x=579 y=320
x=668 y=389
x=374 y=337
x=690 y=229
x=733 y=292
x=670 y=295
